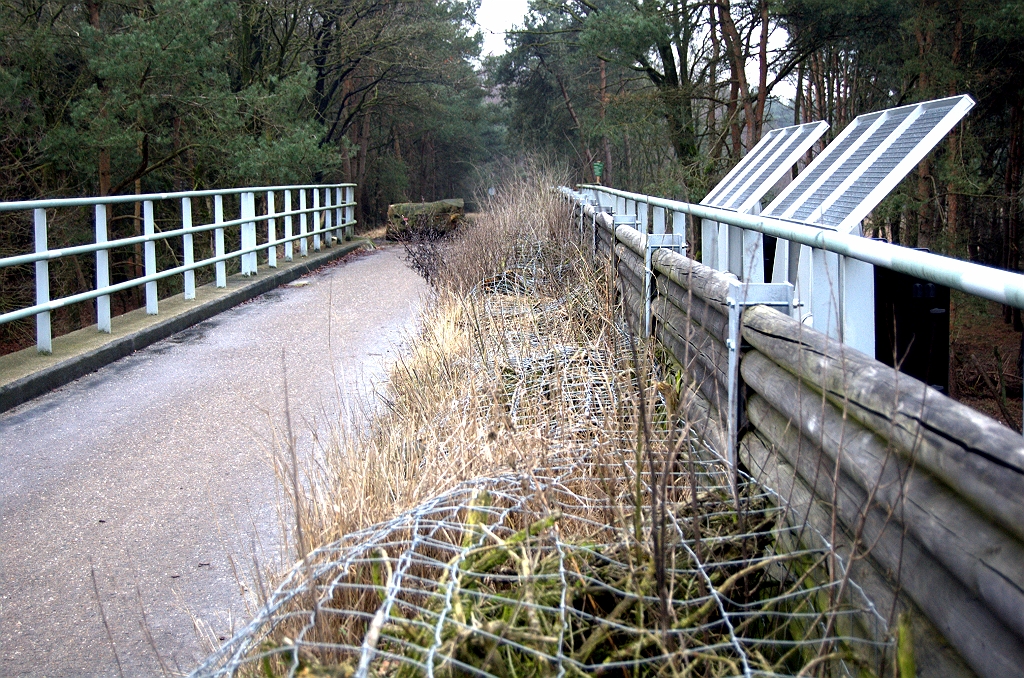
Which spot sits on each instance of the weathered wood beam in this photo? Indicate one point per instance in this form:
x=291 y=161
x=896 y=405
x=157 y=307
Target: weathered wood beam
x=986 y=559
x=979 y=458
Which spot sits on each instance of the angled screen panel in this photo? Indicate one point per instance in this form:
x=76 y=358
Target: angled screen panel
x=789 y=151
x=763 y=166
x=866 y=162
x=754 y=156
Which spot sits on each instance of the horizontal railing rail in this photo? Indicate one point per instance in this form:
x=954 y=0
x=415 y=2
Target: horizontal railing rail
x=154 y=197
x=838 y=288
x=1004 y=287
x=335 y=213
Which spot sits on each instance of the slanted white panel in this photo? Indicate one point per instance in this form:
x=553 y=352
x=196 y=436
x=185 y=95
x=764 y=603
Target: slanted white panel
x=763 y=166
x=871 y=156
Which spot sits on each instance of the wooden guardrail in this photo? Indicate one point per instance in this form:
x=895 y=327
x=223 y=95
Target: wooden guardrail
x=921 y=497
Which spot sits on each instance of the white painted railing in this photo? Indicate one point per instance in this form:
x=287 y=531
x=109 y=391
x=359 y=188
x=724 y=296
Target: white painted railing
x=316 y=220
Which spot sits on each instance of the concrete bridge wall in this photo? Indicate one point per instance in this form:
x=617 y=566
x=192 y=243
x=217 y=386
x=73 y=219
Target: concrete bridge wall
x=921 y=497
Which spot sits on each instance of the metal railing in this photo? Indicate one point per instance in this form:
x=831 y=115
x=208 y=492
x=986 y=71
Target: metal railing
x=316 y=220
x=832 y=272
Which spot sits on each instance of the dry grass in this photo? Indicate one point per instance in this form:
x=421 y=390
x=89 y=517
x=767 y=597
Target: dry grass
x=528 y=502
x=443 y=420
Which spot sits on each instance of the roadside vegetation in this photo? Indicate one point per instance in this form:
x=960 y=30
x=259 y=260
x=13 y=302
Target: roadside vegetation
x=528 y=501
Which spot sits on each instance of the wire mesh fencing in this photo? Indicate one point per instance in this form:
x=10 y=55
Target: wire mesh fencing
x=523 y=575
x=623 y=546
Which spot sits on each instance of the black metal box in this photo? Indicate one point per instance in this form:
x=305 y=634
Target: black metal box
x=912 y=326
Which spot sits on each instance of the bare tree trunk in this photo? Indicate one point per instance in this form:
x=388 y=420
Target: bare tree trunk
x=762 y=81
x=732 y=112
x=954 y=141
x=589 y=155
x=737 y=59
x=1011 y=237
x=103 y=161
x=797 y=100
x=925 y=228
x=605 y=141
x=629 y=160
x=364 y=145
x=925 y=235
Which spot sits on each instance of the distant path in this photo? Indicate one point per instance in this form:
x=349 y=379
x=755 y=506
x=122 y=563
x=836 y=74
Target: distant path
x=157 y=470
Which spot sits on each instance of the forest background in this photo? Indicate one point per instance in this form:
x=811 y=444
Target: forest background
x=138 y=96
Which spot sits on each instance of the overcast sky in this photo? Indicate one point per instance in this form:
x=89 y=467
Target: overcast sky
x=497 y=16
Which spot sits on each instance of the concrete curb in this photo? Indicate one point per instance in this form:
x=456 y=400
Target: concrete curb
x=45 y=380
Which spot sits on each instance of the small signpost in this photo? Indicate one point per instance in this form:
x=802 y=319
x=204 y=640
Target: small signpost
x=598 y=170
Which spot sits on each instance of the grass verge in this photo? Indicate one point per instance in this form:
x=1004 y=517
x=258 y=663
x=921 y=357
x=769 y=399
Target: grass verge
x=529 y=503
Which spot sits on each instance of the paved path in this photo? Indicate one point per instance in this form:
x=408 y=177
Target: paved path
x=145 y=492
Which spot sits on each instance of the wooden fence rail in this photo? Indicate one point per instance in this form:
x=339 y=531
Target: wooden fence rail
x=921 y=497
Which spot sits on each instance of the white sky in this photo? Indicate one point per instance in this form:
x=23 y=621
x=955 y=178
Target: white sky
x=497 y=16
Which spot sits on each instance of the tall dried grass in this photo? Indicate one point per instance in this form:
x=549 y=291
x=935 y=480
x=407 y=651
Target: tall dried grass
x=442 y=419
x=529 y=499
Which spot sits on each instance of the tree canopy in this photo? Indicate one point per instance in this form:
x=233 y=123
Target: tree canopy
x=668 y=94
x=106 y=97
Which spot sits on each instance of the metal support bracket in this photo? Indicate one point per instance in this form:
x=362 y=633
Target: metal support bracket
x=617 y=220
x=741 y=295
x=581 y=203
x=654 y=241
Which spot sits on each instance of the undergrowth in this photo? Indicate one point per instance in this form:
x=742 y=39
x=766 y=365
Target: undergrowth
x=528 y=501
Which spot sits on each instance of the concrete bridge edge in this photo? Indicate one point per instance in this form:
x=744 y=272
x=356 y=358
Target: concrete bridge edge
x=38 y=383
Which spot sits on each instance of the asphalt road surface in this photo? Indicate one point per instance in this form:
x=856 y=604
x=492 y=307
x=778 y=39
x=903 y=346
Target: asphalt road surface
x=137 y=504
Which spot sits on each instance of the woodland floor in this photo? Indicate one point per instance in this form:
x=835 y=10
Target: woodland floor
x=984 y=367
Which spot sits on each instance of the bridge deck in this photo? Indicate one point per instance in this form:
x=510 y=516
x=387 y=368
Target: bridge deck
x=151 y=481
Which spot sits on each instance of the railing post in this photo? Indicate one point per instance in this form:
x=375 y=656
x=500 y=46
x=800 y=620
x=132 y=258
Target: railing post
x=327 y=217
x=709 y=243
x=316 y=219
x=188 y=251
x=102 y=271
x=303 y=244
x=288 y=249
x=248 y=212
x=740 y=296
x=753 y=257
x=150 y=228
x=679 y=228
x=656 y=241
x=339 y=223
x=789 y=268
x=350 y=212
x=271 y=232
x=825 y=293
x=857 y=304
x=44 y=341
x=732 y=261
x=218 y=238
